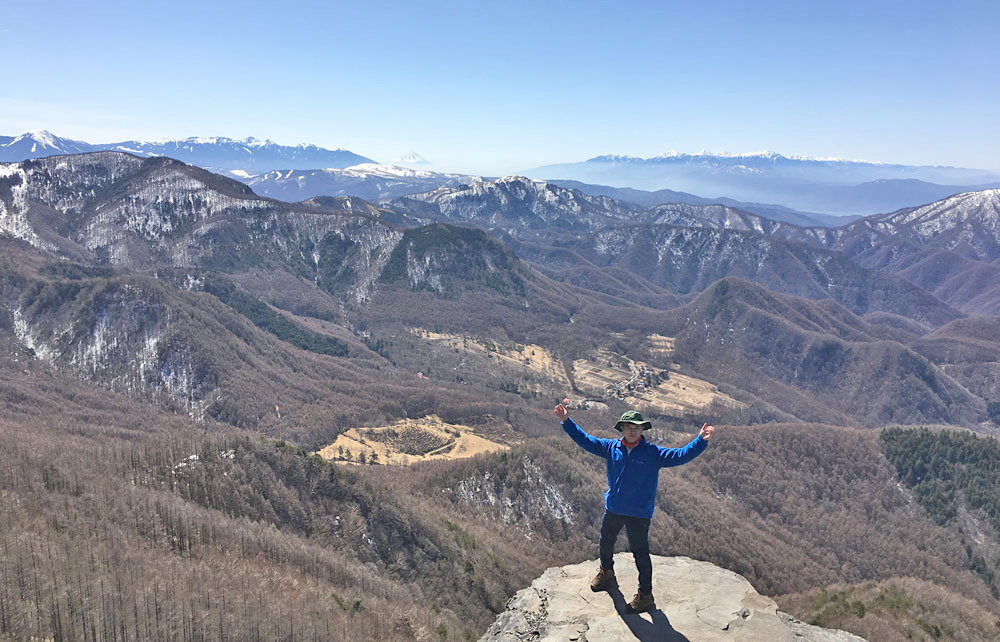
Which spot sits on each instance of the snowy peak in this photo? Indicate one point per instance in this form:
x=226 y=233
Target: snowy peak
x=766 y=155
x=968 y=223
x=385 y=170
x=513 y=186
x=41 y=137
x=960 y=228
x=149 y=212
x=250 y=154
x=723 y=156
x=370 y=181
x=515 y=202
x=983 y=206
x=615 y=158
x=519 y=181
x=39 y=143
x=411 y=158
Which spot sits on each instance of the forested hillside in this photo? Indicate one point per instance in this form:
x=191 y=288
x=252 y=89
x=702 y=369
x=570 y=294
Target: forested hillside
x=150 y=530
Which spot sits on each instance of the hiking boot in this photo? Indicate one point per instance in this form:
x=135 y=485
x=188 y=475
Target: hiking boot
x=604 y=578
x=641 y=603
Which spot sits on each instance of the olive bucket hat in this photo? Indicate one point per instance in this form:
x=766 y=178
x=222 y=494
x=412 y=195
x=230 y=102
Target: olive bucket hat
x=632 y=417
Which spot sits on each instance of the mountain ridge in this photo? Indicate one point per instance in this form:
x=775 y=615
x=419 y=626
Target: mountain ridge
x=349 y=267
x=227 y=153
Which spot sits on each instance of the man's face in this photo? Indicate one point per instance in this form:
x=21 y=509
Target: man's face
x=632 y=432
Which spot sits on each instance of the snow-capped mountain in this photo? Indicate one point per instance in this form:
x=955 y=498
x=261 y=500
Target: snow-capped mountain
x=831 y=170
x=513 y=204
x=39 y=143
x=950 y=247
x=250 y=155
x=831 y=186
x=411 y=158
x=116 y=209
x=519 y=205
x=967 y=224
x=370 y=181
x=690 y=259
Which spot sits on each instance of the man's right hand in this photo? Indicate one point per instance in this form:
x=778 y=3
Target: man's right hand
x=561 y=410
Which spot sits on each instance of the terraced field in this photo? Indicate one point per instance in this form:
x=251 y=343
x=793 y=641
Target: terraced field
x=661 y=345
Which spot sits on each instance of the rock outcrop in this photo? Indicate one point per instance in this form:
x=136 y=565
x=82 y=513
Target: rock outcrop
x=695 y=602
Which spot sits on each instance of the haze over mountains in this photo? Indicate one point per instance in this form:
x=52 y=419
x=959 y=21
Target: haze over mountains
x=831 y=186
x=143 y=296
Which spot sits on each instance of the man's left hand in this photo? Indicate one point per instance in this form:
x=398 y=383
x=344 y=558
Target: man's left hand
x=706 y=431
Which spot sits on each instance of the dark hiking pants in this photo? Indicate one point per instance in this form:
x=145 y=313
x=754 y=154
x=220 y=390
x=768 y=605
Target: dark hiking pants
x=637 y=529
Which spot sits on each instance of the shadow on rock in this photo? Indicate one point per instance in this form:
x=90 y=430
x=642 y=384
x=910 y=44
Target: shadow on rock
x=656 y=630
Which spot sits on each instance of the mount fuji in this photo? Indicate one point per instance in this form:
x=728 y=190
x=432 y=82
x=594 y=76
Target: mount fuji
x=411 y=158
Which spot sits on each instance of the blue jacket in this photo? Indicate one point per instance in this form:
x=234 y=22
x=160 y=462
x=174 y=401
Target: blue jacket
x=633 y=476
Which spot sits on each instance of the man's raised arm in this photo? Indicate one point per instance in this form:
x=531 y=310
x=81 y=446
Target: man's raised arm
x=587 y=442
x=678 y=456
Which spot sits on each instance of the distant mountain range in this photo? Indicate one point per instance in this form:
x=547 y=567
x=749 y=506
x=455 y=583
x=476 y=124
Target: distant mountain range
x=664 y=196
x=248 y=155
x=370 y=181
x=379 y=182
x=798 y=190
x=830 y=186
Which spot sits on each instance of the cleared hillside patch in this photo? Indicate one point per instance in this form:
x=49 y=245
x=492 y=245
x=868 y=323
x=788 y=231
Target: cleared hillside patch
x=407 y=441
x=611 y=375
x=661 y=345
x=530 y=357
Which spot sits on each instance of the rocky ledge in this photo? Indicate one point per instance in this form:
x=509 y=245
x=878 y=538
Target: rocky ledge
x=694 y=602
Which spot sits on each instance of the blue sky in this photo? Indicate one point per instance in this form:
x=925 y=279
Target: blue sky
x=501 y=86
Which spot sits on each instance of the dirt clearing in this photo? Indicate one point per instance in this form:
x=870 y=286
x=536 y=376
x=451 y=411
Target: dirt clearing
x=408 y=441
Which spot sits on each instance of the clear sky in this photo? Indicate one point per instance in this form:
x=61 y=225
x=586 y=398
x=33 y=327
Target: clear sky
x=495 y=87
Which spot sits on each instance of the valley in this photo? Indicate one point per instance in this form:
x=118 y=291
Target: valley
x=296 y=301
x=360 y=395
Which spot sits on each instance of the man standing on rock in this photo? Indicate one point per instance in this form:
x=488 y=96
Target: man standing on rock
x=633 y=473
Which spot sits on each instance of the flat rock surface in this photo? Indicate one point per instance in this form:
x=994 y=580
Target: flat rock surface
x=694 y=602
